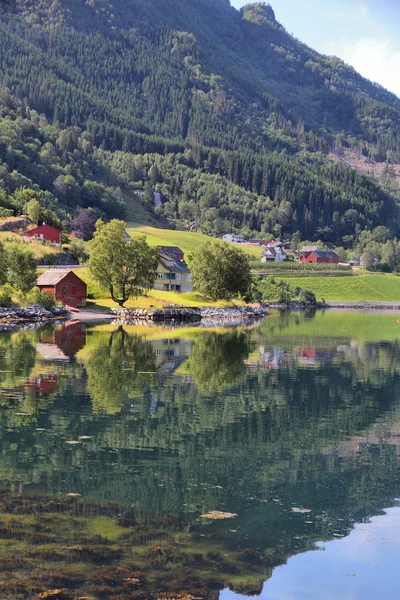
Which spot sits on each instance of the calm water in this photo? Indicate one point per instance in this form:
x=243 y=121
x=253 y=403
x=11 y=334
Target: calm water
x=114 y=442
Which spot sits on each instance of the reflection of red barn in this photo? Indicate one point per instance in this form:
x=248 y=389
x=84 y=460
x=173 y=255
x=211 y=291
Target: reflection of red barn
x=68 y=340
x=65 y=286
x=46 y=233
x=45 y=384
x=313 y=354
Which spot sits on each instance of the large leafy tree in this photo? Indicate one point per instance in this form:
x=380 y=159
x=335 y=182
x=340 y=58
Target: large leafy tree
x=120 y=264
x=220 y=271
x=22 y=272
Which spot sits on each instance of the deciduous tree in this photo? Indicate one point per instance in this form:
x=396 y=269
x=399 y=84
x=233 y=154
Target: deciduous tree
x=122 y=265
x=220 y=271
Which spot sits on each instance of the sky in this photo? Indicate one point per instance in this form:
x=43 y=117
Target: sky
x=364 y=33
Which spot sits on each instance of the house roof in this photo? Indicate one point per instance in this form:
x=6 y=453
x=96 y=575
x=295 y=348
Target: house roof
x=53 y=276
x=172 y=263
x=309 y=249
x=171 y=249
x=44 y=225
x=269 y=251
x=325 y=254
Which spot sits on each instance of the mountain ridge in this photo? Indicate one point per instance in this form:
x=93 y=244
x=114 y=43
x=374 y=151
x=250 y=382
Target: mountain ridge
x=226 y=93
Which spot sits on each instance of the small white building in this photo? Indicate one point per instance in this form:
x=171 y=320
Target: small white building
x=234 y=239
x=273 y=254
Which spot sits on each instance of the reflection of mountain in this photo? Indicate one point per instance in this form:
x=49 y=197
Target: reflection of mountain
x=62 y=344
x=256 y=441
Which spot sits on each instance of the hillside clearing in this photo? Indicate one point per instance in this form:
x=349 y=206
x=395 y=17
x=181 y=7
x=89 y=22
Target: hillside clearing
x=188 y=241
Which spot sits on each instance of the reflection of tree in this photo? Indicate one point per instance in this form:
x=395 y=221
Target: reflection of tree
x=217 y=361
x=119 y=366
x=17 y=359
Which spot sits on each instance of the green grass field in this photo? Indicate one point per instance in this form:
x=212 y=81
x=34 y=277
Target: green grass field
x=363 y=287
x=99 y=299
x=186 y=240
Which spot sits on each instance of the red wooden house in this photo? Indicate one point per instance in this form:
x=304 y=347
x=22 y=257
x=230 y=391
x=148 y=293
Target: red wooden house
x=65 y=286
x=46 y=233
x=320 y=256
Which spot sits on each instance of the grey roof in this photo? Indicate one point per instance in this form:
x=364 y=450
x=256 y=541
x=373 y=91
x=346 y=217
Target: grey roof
x=52 y=277
x=171 y=249
x=326 y=254
x=270 y=251
x=177 y=265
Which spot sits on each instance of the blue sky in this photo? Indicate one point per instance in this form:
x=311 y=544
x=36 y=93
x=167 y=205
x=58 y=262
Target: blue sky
x=364 y=33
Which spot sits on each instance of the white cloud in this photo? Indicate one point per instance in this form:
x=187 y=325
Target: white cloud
x=376 y=59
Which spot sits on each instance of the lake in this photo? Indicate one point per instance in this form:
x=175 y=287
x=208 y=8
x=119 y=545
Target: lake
x=152 y=462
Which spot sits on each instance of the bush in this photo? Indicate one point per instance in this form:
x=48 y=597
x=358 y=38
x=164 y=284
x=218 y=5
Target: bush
x=45 y=299
x=6 y=293
x=307 y=297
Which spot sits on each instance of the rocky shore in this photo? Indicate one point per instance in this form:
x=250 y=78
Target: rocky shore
x=16 y=317
x=190 y=315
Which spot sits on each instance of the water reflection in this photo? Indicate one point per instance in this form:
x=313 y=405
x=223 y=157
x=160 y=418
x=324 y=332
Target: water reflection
x=114 y=440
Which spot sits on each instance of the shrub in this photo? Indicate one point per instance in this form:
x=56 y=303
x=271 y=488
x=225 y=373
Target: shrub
x=43 y=299
x=307 y=297
x=6 y=293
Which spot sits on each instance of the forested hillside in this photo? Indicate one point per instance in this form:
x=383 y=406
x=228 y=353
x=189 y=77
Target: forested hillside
x=222 y=111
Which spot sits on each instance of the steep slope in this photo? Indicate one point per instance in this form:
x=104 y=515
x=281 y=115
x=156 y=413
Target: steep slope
x=215 y=100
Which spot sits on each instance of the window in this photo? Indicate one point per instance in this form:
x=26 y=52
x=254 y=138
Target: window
x=188 y=278
x=64 y=289
x=160 y=275
x=178 y=276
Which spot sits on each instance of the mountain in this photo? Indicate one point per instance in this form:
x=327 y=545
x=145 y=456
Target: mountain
x=223 y=112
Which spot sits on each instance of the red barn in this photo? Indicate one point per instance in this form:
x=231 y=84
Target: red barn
x=320 y=256
x=46 y=233
x=65 y=286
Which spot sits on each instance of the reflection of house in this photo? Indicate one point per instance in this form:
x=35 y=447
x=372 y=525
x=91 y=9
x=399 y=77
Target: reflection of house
x=65 y=286
x=171 y=349
x=311 y=356
x=47 y=233
x=173 y=274
x=273 y=254
x=44 y=384
x=269 y=358
x=64 y=343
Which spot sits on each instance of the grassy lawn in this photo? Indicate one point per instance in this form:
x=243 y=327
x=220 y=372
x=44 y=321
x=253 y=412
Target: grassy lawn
x=100 y=300
x=363 y=287
x=37 y=248
x=157 y=299
x=186 y=240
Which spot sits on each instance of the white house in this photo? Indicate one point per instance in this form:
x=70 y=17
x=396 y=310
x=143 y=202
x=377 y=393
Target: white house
x=173 y=274
x=234 y=239
x=273 y=254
